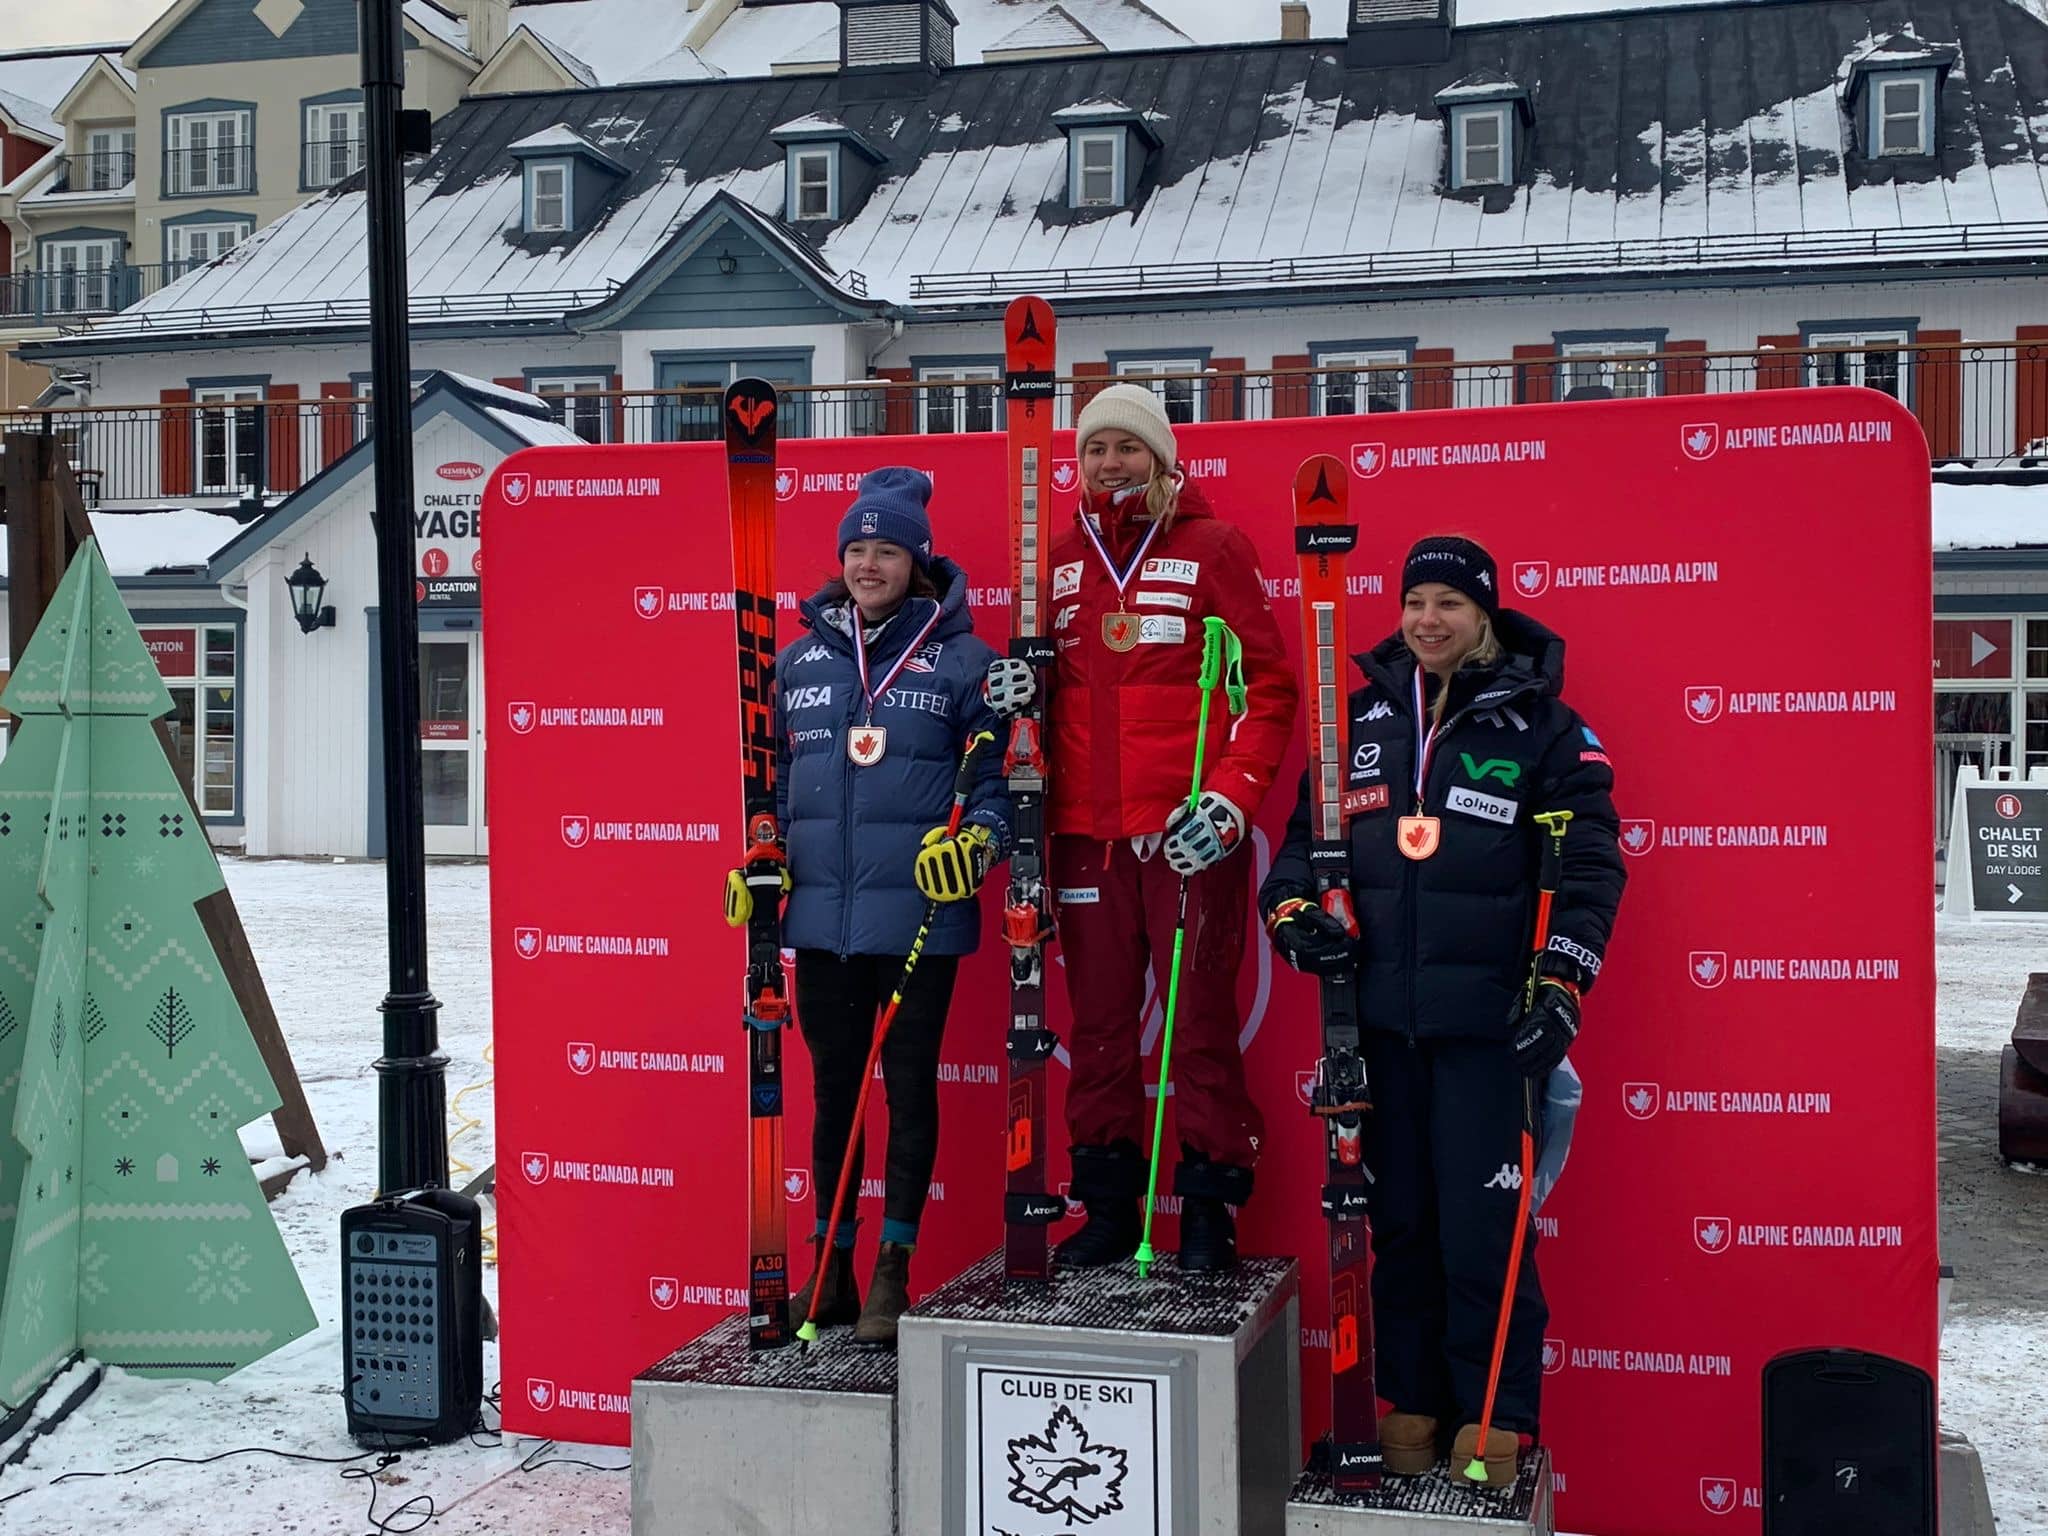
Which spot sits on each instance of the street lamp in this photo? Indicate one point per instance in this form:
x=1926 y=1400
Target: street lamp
x=308 y=587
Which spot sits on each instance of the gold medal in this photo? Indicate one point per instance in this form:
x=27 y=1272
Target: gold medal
x=1418 y=836
x=1120 y=630
x=865 y=745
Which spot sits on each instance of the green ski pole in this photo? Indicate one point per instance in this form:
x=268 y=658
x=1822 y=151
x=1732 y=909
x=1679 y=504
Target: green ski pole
x=1222 y=662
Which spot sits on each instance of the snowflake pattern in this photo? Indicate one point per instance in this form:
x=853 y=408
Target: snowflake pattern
x=124 y=1114
x=218 y=1276
x=124 y=1166
x=143 y=865
x=210 y=1167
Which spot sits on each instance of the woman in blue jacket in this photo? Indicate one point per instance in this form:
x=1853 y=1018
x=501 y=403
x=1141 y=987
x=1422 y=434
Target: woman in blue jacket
x=874 y=707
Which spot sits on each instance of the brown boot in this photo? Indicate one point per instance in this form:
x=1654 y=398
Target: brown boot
x=831 y=1268
x=1408 y=1443
x=1502 y=1446
x=888 y=1296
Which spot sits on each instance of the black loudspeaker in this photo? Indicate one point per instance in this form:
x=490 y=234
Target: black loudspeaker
x=412 y=1317
x=1849 y=1446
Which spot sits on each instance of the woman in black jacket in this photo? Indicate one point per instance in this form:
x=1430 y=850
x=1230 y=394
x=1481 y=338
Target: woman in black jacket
x=1458 y=738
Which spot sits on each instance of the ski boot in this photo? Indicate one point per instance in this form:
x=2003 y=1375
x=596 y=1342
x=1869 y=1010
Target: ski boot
x=1110 y=1182
x=1208 y=1231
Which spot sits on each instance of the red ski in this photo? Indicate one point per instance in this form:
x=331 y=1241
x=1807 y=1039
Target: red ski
x=1028 y=359
x=750 y=490
x=1323 y=536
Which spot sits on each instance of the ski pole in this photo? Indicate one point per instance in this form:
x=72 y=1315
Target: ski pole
x=963 y=786
x=1222 y=661
x=1549 y=874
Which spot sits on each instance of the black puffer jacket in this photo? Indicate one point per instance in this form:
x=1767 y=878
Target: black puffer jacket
x=1445 y=940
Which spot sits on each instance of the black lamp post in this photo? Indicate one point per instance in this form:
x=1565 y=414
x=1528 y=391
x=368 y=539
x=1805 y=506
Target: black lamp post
x=308 y=587
x=412 y=1091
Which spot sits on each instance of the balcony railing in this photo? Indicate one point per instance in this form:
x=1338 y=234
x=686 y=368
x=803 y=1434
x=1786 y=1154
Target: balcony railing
x=70 y=294
x=105 y=171
x=1978 y=402
x=209 y=168
x=327 y=161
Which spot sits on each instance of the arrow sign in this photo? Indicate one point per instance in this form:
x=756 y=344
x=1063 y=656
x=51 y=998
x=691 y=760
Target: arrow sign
x=1980 y=648
x=2012 y=893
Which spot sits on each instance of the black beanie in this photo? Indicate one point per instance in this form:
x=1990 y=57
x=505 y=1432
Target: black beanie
x=1457 y=563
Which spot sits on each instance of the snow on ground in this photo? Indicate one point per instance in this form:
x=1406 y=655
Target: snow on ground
x=1989 y=516
x=318 y=930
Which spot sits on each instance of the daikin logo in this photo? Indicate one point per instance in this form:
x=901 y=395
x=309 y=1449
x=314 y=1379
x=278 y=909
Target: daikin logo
x=576 y=831
x=796 y=1185
x=1638 y=835
x=521 y=716
x=1368 y=459
x=785 y=485
x=1707 y=967
x=535 y=1166
x=1532 y=577
x=516 y=488
x=1713 y=1234
x=664 y=1292
x=526 y=943
x=1066 y=474
x=1641 y=1100
x=582 y=1057
x=1699 y=439
x=1717 y=1494
x=1703 y=703
x=540 y=1393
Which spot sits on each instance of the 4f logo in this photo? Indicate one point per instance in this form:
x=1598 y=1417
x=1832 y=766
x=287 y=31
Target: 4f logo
x=1699 y=439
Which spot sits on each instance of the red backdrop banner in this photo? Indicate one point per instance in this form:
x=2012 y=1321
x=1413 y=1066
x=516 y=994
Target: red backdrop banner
x=1743 y=583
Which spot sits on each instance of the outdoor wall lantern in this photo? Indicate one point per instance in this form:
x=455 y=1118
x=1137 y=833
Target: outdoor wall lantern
x=727 y=262
x=308 y=587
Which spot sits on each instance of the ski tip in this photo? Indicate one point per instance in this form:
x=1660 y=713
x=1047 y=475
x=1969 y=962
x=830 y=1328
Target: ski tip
x=1475 y=1470
x=807 y=1334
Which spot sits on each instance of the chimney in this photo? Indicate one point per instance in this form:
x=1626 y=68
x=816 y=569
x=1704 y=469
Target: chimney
x=1293 y=21
x=490 y=23
x=1399 y=32
x=906 y=38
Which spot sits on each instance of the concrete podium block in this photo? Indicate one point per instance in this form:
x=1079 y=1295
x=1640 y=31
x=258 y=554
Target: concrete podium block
x=727 y=1440
x=1161 y=1407
x=1436 y=1505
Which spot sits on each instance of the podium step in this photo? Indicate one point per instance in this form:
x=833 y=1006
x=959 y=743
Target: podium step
x=1436 y=1505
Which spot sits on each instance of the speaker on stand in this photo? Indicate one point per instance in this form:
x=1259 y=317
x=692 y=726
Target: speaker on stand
x=412 y=1318
x=1849 y=1445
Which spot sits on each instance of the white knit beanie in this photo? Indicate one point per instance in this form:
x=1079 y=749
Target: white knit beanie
x=1129 y=408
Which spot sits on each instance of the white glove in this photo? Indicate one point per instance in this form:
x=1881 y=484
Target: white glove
x=1206 y=836
x=1010 y=686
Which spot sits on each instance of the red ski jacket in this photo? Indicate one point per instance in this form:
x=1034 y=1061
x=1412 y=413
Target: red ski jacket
x=1122 y=733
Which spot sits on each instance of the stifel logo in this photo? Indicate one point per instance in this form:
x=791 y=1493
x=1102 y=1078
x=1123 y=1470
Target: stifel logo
x=785 y=485
x=1553 y=1356
x=576 y=830
x=1305 y=1086
x=516 y=488
x=1641 y=1100
x=1532 y=577
x=540 y=1393
x=2007 y=806
x=461 y=469
x=663 y=1291
x=796 y=1184
x=647 y=602
x=1702 y=703
x=1699 y=439
x=1065 y=475
x=535 y=1166
x=1713 y=1233
x=1368 y=459
x=1638 y=835
x=522 y=716
x=526 y=943
x=1717 y=1494
x=582 y=1057
x=1707 y=967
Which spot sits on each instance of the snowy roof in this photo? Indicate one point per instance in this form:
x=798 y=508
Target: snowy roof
x=140 y=543
x=34 y=80
x=1280 y=167
x=1055 y=28
x=1989 y=516
x=556 y=137
x=617 y=40
x=756 y=38
x=442 y=25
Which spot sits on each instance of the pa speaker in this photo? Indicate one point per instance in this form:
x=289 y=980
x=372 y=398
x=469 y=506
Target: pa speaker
x=1849 y=1446
x=412 y=1317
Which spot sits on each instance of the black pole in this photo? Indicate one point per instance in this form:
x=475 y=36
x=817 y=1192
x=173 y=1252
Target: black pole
x=412 y=1090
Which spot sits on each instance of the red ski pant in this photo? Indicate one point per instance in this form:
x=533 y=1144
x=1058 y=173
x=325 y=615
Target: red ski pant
x=1116 y=917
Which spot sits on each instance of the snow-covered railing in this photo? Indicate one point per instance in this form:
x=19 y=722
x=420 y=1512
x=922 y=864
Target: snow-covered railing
x=310 y=313
x=1962 y=241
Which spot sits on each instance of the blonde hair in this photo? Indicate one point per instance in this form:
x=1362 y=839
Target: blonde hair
x=1162 y=495
x=1486 y=650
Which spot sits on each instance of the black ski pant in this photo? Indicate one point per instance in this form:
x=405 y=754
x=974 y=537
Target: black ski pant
x=1445 y=1154
x=838 y=1004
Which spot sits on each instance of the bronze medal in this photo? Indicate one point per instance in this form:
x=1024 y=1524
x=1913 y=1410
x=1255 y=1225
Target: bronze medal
x=1418 y=836
x=1120 y=630
x=865 y=745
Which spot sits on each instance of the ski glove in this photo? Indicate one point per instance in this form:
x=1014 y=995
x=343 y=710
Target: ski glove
x=1309 y=939
x=1010 y=686
x=952 y=868
x=1547 y=1027
x=772 y=874
x=1205 y=836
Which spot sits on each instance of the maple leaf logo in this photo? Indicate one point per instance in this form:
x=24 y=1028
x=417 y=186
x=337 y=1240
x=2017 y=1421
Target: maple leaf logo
x=1305 y=1086
x=1702 y=703
x=1063 y=1473
x=1708 y=967
x=1532 y=577
x=1553 y=1356
x=1417 y=836
x=582 y=1057
x=521 y=715
x=1065 y=475
x=863 y=744
x=796 y=1184
x=785 y=484
x=1718 y=1494
x=647 y=602
x=527 y=942
x=575 y=830
x=663 y=1291
x=1699 y=439
x=1712 y=1233
x=1637 y=836
x=1368 y=459
x=540 y=1393
x=1641 y=1100
x=535 y=1166
x=517 y=488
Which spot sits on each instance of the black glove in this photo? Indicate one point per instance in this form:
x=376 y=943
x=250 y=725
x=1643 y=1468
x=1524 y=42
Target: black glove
x=1547 y=1027
x=1309 y=939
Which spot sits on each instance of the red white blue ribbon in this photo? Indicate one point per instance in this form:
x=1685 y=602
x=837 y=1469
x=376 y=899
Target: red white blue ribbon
x=1425 y=740
x=860 y=657
x=1120 y=579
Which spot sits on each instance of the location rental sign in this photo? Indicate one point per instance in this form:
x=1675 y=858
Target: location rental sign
x=2001 y=830
x=1764 y=1019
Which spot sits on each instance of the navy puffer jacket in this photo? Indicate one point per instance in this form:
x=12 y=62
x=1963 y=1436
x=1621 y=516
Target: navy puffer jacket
x=852 y=832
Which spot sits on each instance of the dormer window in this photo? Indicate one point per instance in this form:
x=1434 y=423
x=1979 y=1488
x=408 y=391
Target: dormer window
x=1902 y=121
x=1485 y=116
x=1893 y=96
x=566 y=180
x=814 y=182
x=1098 y=169
x=828 y=169
x=1107 y=145
x=547 y=197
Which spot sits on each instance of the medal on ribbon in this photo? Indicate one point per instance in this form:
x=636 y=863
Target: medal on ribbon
x=866 y=742
x=1119 y=629
x=1417 y=836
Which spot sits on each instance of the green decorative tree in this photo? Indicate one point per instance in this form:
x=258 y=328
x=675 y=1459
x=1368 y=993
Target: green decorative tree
x=131 y=1225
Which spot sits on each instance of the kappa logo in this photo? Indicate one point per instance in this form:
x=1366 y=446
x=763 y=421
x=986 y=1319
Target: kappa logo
x=815 y=653
x=1305 y=1086
x=1066 y=474
x=1717 y=1494
x=1641 y=1100
x=526 y=943
x=1554 y=1356
x=1368 y=459
x=1699 y=439
x=663 y=1291
x=1532 y=577
x=1713 y=1234
x=535 y=1166
x=785 y=485
x=540 y=1392
x=1702 y=703
x=521 y=716
x=1707 y=967
x=1379 y=711
x=1509 y=1177
x=1066 y=580
x=648 y=601
x=1638 y=835
x=796 y=1184
x=582 y=1057
x=516 y=488
x=576 y=830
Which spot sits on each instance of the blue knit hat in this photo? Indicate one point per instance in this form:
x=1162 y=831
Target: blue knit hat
x=891 y=505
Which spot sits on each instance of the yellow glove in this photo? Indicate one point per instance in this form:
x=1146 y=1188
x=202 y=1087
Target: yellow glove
x=952 y=868
x=739 y=896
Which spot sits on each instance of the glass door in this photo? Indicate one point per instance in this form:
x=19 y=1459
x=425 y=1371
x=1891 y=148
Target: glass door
x=452 y=744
